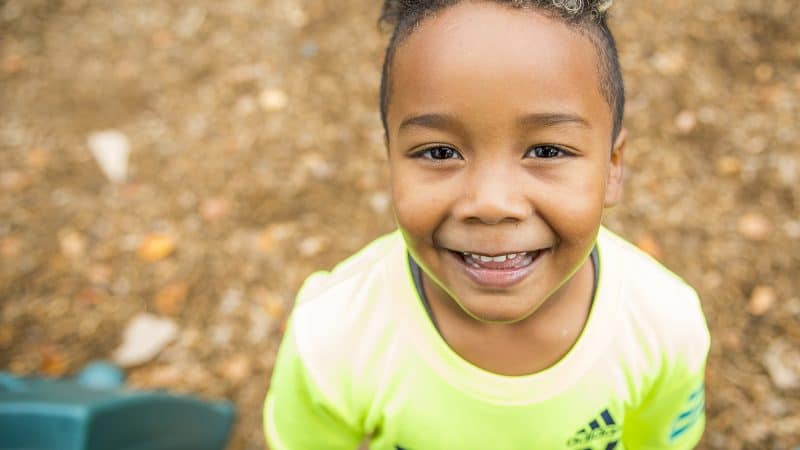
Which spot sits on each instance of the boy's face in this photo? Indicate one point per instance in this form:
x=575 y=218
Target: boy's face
x=499 y=146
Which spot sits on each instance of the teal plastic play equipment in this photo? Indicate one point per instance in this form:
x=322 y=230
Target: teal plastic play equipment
x=93 y=411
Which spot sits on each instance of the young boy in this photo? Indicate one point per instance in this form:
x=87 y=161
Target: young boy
x=500 y=315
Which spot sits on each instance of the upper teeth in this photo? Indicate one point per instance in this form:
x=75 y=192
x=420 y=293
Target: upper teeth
x=500 y=258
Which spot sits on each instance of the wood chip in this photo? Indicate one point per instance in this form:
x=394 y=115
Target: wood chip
x=54 y=363
x=171 y=299
x=729 y=166
x=156 y=247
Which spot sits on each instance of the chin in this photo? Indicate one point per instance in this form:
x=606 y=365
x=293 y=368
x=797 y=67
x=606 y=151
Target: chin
x=491 y=312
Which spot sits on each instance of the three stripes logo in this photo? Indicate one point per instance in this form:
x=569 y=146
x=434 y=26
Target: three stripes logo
x=602 y=430
x=690 y=414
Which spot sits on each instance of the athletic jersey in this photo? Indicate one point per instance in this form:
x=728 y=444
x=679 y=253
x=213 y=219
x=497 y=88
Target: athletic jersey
x=362 y=359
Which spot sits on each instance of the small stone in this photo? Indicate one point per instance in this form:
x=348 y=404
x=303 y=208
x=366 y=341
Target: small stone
x=236 y=369
x=221 y=335
x=754 y=226
x=648 y=244
x=317 y=166
x=6 y=335
x=99 y=274
x=126 y=70
x=10 y=246
x=274 y=307
x=110 y=149
x=761 y=300
x=309 y=49
x=12 y=64
x=273 y=100
x=764 y=72
x=729 y=165
x=731 y=340
x=214 y=209
x=792 y=229
x=273 y=234
x=144 y=338
x=73 y=243
x=312 y=246
x=379 y=202
x=163 y=376
x=38 y=158
x=161 y=39
x=14 y=181
x=156 y=247
x=685 y=121
x=89 y=296
x=669 y=62
x=782 y=361
x=170 y=299
x=231 y=301
x=295 y=15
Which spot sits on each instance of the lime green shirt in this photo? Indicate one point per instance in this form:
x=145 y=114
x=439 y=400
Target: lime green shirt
x=362 y=359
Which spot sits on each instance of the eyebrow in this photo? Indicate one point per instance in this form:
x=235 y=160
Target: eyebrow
x=435 y=121
x=540 y=120
x=553 y=119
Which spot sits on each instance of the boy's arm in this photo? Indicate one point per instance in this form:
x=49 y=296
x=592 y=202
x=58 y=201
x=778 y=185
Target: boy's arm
x=297 y=415
x=672 y=414
x=671 y=418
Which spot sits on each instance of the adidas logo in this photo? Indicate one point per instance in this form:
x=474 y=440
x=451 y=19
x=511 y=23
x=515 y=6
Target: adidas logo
x=602 y=430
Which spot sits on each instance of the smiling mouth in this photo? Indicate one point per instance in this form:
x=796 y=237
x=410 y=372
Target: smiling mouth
x=508 y=261
x=498 y=271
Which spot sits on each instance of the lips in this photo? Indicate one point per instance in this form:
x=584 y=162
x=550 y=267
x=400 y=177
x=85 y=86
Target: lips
x=497 y=271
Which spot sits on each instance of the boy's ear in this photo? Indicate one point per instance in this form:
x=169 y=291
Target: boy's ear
x=615 y=170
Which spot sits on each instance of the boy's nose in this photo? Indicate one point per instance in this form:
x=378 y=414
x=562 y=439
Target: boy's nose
x=492 y=197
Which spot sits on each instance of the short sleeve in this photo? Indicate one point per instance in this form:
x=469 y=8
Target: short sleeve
x=296 y=413
x=672 y=414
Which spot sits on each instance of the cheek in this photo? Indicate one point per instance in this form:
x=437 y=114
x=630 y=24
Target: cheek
x=419 y=210
x=578 y=217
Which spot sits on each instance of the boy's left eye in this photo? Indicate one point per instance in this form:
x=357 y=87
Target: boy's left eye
x=545 y=151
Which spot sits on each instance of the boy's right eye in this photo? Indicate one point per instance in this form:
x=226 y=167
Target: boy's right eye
x=438 y=153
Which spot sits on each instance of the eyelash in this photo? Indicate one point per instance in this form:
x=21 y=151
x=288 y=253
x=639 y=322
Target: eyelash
x=429 y=155
x=560 y=152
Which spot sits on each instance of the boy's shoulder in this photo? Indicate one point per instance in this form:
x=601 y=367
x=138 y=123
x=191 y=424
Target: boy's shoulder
x=354 y=300
x=661 y=307
x=347 y=279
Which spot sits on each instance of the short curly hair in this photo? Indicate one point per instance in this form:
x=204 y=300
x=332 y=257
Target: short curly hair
x=586 y=16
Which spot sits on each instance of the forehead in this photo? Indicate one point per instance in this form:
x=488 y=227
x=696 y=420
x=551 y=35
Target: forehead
x=480 y=56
